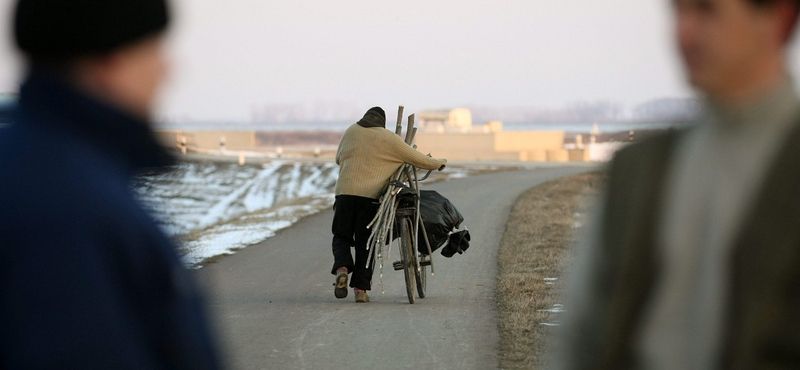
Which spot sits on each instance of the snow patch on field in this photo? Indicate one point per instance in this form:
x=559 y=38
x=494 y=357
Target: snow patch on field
x=217 y=208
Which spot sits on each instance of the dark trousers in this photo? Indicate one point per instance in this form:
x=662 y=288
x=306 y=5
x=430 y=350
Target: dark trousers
x=351 y=216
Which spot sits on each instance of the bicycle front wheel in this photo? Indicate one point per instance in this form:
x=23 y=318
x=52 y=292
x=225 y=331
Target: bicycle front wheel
x=421 y=276
x=408 y=257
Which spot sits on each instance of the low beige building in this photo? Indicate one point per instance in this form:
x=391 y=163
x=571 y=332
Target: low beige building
x=528 y=146
x=450 y=134
x=445 y=120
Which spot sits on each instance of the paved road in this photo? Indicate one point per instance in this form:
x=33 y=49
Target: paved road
x=276 y=310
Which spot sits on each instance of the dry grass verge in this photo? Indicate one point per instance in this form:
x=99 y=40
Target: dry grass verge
x=532 y=257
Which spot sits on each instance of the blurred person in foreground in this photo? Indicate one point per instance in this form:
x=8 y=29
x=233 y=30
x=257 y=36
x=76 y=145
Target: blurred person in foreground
x=368 y=156
x=87 y=280
x=694 y=262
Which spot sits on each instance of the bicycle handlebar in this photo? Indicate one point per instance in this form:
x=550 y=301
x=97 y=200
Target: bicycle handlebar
x=426 y=176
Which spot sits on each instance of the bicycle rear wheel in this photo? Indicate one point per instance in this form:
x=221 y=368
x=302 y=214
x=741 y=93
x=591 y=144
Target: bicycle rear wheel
x=408 y=257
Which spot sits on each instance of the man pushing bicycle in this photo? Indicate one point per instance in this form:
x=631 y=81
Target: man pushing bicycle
x=368 y=156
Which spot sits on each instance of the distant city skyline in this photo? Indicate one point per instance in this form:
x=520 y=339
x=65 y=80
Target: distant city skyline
x=666 y=109
x=236 y=60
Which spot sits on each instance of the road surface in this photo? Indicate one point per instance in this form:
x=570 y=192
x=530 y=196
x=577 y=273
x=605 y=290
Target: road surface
x=275 y=309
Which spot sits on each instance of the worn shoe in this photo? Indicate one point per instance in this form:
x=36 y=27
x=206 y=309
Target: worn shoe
x=340 y=286
x=361 y=296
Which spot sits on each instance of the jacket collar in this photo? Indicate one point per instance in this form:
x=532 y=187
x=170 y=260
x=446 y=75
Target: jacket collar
x=776 y=108
x=51 y=103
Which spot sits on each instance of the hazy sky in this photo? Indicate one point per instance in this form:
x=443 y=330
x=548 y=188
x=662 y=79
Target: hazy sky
x=229 y=56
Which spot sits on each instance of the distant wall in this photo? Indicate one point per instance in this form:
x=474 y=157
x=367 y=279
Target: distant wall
x=510 y=141
x=458 y=146
x=234 y=140
x=209 y=140
x=167 y=138
x=534 y=146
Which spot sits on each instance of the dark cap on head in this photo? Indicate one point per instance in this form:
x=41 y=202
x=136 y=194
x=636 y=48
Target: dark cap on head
x=375 y=117
x=53 y=29
x=377 y=110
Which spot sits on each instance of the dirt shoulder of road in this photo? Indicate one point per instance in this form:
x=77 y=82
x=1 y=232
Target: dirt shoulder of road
x=534 y=252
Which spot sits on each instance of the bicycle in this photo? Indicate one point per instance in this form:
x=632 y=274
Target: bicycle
x=399 y=210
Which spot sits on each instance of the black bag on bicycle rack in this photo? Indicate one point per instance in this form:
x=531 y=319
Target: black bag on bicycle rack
x=440 y=217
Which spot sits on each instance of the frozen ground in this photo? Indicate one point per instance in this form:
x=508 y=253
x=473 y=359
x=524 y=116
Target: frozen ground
x=212 y=208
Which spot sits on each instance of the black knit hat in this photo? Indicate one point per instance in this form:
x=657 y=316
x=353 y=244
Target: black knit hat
x=375 y=117
x=377 y=110
x=52 y=29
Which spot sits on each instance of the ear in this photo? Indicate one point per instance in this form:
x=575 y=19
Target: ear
x=97 y=69
x=95 y=72
x=787 y=11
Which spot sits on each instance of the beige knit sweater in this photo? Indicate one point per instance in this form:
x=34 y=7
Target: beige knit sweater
x=368 y=157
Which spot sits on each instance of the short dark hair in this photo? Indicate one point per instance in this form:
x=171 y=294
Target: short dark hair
x=772 y=2
x=796 y=4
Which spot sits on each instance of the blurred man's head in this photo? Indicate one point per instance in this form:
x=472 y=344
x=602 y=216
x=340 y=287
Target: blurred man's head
x=110 y=48
x=733 y=49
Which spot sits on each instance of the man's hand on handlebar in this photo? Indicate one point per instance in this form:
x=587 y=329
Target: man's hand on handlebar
x=443 y=166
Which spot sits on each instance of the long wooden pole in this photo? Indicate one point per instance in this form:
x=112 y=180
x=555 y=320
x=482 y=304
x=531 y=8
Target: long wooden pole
x=410 y=129
x=399 y=128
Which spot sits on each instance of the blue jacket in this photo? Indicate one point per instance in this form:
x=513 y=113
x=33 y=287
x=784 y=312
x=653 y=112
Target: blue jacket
x=87 y=280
